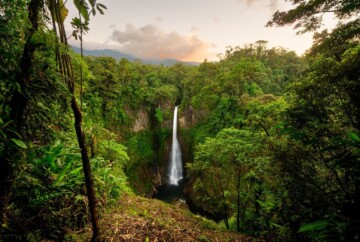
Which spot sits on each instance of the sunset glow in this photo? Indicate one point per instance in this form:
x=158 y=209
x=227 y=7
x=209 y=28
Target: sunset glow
x=188 y=30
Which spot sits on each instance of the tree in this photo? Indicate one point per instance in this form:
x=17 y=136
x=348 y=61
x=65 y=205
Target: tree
x=18 y=100
x=307 y=15
x=107 y=86
x=58 y=13
x=221 y=163
x=322 y=122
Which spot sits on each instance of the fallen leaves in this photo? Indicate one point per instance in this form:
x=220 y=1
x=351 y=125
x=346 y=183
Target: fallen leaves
x=140 y=219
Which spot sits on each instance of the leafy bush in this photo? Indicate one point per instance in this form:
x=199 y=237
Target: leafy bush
x=323 y=231
x=110 y=179
x=49 y=197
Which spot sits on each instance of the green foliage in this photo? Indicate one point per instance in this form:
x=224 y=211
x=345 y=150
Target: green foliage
x=281 y=168
x=108 y=168
x=13 y=26
x=5 y=132
x=47 y=199
x=114 y=152
x=19 y=143
x=229 y=164
x=323 y=230
x=141 y=156
x=226 y=114
x=203 y=238
x=316 y=147
x=309 y=15
x=50 y=195
x=85 y=8
x=159 y=115
x=110 y=181
x=139 y=148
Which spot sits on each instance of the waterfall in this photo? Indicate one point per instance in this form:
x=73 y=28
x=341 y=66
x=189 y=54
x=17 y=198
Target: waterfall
x=175 y=168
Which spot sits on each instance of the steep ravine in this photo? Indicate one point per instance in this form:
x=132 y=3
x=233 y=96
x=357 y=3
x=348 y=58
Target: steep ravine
x=150 y=179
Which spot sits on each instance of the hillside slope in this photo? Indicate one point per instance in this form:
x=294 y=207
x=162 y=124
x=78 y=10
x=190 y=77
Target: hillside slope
x=140 y=219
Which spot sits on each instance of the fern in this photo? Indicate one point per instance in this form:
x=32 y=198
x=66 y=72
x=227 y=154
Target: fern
x=323 y=231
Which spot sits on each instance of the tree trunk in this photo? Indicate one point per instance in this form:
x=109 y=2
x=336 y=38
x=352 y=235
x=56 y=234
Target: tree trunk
x=93 y=146
x=238 y=202
x=155 y=137
x=87 y=169
x=17 y=106
x=226 y=220
x=65 y=67
x=6 y=179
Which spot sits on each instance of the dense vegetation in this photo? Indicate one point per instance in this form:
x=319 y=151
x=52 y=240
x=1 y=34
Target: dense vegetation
x=270 y=140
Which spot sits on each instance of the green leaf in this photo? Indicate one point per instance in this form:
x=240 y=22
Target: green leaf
x=92 y=2
x=51 y=157
x=354 y=137
x=84 y=12
x=102 y=6
x=76 y=171
x=19 y=143
x=62 y=173
x=314 y=226
x=3 y=134
x=100 y=10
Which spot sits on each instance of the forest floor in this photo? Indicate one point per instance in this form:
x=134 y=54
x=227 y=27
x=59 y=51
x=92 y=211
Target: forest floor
x=140 y=219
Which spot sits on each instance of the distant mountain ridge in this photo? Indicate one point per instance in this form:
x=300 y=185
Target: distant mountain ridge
x=119 y=55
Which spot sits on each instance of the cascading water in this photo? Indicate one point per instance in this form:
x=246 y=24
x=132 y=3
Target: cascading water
x=175 y=168
x=173 y=189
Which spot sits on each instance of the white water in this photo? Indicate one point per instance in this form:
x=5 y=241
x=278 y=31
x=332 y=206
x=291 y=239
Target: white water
x=175 y=168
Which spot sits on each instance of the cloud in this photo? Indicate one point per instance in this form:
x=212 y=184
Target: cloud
x=194 y=29
x=150 y=42
x=158 y=19
x=272 y=4
x=216 y=20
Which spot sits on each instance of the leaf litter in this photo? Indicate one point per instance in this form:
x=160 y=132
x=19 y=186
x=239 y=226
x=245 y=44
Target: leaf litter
x=136 y=218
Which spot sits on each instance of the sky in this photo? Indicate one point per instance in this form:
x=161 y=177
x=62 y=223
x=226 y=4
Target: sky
x=187 y=30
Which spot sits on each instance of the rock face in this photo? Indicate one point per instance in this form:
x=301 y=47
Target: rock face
x=146 y=122
x=151 y=174
x=182 y=122
x=141 y=121
x=187 y=118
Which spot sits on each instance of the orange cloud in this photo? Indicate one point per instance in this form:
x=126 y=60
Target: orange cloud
x=150 y=42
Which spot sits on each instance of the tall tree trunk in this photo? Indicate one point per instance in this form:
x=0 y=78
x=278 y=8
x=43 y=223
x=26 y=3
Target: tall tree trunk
x=17 y=106
x=65 y=67
x=87 y=169
x=226 y=220
x=155 y=144
x=92 y=146
x=238 y=201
